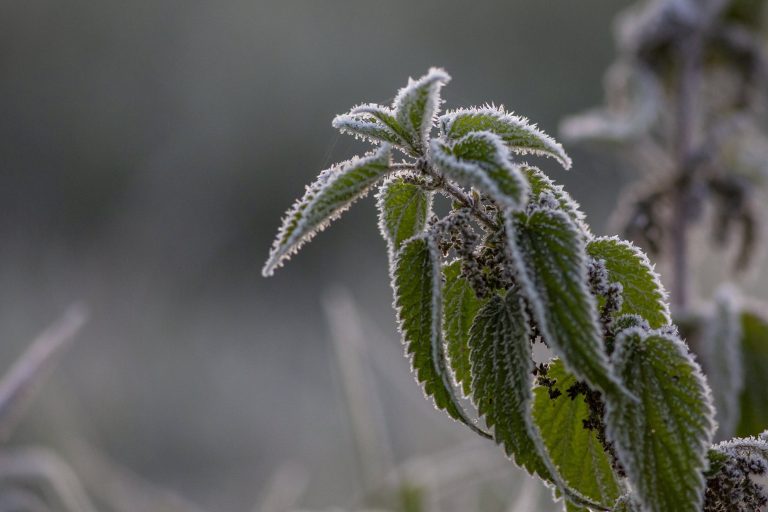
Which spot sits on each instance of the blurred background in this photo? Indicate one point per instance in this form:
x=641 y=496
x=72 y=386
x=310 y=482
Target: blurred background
x=147 y=153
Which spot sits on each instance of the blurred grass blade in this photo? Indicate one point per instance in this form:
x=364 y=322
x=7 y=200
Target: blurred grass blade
x=33 y=468
x=29 y=372
x=366 y=415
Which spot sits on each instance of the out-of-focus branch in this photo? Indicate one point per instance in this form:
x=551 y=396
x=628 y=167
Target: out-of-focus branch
x=686 y=123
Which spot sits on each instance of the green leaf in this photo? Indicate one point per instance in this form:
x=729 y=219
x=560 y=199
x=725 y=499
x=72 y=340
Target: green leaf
x=502 y=376
x=518 y=134
x=754 y=399
x=325 y=200
x=460 y=308
x=541 y=184
x=548 y=251
x=662 y=439
x=404 y=209
x=643 y=292
x=482 y=161
x=367 y=122
x=721 y=359
x=416 y=105
x=575 y=451
x=417 y=283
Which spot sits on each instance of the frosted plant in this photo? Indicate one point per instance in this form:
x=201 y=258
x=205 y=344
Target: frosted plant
x=621 y=418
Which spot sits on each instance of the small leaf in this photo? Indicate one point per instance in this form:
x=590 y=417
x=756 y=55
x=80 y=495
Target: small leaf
x=325 y=200
x=375 y=124
x=502 y=366
x=548 y=252
x=541 y=184
x=662 y=439
x=366 y=127
x=417 y=284
x=416 y=106
x=643 y=292
x=404 y=209
x=754 y=398
x=720 y=352
x=460 y=307
x=576 y=452
x=516 y=132
x=482 y=161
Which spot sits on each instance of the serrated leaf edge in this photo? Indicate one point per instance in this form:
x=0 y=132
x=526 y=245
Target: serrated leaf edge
x=437 y=343
x=663 y=294
x=556 y=150
x=287 y=244
x=473 y=175
x=434 y=80
x=380 y=198
x=529 y=291
x=699 y=379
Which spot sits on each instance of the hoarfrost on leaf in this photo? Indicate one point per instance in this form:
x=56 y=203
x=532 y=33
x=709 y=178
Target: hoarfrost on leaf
x=517 y=132
x=502 y=366
x=417 y=104
x=373 y=123
x=404 y=208
x=417 y=284
x=481 y=160
x=540 y=184
x=325 y=200
x=662 y=439
x=547 y=249
x=642 y=291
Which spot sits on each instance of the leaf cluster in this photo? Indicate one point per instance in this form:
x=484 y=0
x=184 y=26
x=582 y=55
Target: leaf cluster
x=620 y=417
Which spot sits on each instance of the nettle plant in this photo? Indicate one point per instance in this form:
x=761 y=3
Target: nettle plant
x=619 y=415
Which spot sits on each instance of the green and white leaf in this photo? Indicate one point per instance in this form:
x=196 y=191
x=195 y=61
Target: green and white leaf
x=662 y=439
x=482 y=161
x=575 y=451
x=404 y=209
x=721 y=359
x=460 y=306
x=502 y=366
x=373 y=123
x=325 y=200
x=517 y=132
x=540 y=184
x=416 y=106
x=548 y=251
x=643 y=294
x=417 y=283
x=754 y=344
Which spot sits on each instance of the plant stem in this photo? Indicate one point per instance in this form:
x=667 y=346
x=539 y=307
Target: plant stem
x=460 y=196
x=685 y=150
